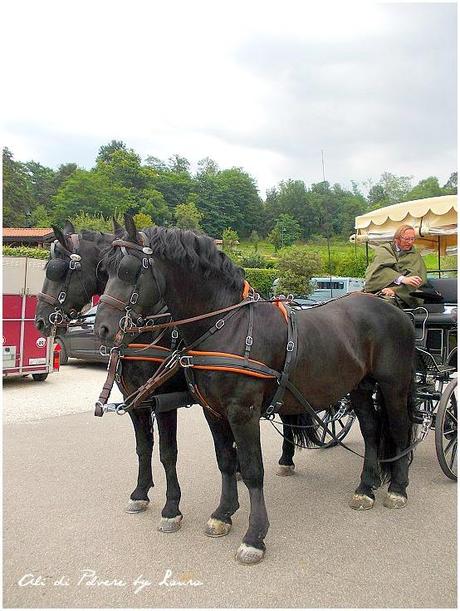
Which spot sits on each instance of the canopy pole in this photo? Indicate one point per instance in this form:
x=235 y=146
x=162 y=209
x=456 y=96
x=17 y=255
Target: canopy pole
x=439 y=256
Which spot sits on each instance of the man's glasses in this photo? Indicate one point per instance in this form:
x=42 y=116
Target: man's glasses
x=407 y=239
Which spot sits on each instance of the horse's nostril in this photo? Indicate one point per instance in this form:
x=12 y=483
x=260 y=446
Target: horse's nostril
x=40 y=324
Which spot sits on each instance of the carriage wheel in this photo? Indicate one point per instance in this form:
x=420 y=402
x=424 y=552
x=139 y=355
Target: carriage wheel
x=338 y=419
x=446 y=430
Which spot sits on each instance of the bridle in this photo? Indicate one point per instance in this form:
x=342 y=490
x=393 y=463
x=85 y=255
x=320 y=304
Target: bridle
x=131 y=317
x=73 y=260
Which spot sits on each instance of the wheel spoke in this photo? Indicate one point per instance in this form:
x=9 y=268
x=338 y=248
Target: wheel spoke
x=451 y=443
x=453 y=457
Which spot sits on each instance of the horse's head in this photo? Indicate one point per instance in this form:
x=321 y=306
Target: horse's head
x=134 y=288
x=72 y=277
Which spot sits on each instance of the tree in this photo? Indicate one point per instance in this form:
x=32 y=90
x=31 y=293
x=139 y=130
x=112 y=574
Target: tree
x=42 y=184
x=62 y=174
x=297 y=266
x=142 y=220
x=96 y=222
x=429 y=187
x=392 y=190
x=154 y=205
x=188 y=216
x=179 y=165
x=230 y=240
x=107 y=150
x=254 y=239
x=450 y=188
x=92 y=192
x=286 y=231
x=207 y=166
x=40 y=217
x=17 y=199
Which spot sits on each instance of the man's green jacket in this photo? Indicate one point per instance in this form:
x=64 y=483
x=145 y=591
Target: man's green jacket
x=388 y=265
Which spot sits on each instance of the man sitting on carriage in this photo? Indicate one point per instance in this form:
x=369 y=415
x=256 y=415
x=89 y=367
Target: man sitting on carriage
x=397 y=270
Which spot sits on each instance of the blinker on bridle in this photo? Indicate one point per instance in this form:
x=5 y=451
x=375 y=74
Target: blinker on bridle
x=144 y=264
x=56 y=270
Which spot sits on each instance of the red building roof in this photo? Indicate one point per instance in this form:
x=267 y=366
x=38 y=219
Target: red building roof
x=29 y=232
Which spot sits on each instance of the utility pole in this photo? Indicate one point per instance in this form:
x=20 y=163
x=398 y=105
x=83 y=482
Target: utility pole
x=327 y=226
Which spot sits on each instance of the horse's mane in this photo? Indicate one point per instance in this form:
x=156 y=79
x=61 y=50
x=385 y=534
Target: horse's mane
x=93 y=235
x=195 y=252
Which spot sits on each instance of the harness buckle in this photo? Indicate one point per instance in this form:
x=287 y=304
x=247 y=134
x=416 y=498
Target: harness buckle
x=103 y=350
x=134 y=298
x=186 y=361
x=147 y=251
x=61 y=297
x=121 y=409
x=145 y=263
x=273 y=408
x=56 y=317
x=249 y=340
x=174 y=333
x=290 y=346
x=220 y=323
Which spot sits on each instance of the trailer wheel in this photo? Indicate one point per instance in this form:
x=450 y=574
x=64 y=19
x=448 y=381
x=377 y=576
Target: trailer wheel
x=39 y=377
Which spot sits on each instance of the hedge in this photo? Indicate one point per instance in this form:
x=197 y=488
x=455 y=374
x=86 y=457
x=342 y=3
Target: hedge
x=261 y=279
x=26 y=251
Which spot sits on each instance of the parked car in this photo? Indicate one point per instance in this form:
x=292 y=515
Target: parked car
x=79 y=340
x=327 y=288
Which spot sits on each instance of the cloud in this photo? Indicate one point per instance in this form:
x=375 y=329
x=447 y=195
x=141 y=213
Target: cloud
x=257 y=85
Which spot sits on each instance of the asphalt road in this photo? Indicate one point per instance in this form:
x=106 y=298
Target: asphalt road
x=68 y=543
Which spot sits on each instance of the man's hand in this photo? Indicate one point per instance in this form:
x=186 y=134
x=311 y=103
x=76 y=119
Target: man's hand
x=388 y=292
x=415 y=281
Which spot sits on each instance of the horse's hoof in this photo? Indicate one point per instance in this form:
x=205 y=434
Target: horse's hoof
x=136 y=506
x=238 y=476
x=394 y=501
x=170 y=525
x=249 y=555
x=285 y=470
x=216 y=528
x=360 y=502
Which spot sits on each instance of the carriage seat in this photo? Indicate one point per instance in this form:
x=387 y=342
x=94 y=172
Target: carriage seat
x=447 y=287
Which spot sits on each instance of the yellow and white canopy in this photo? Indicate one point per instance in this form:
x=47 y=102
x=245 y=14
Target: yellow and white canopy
x=434 y=220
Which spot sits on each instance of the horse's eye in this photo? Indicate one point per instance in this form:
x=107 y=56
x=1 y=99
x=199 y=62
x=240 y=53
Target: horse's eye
x=56 y=269
x=129 y=269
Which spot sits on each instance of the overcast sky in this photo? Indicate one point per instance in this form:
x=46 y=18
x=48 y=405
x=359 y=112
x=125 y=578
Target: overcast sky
x=256 y=84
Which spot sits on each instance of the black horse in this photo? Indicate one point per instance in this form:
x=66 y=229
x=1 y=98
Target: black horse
x=87 y=279
x=350 y=345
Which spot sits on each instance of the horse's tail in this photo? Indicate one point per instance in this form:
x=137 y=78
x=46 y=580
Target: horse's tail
x=302 y=429
x=387 y=447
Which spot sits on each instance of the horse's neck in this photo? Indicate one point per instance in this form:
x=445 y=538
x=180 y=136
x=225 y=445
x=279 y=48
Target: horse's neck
x=190 y=294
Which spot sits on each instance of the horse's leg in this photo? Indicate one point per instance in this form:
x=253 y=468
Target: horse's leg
x=142 y=424
x=171 y=516
x=286 y=464
x=399 y=431
x=245 y=424
x=220 y=522
x=362 y=402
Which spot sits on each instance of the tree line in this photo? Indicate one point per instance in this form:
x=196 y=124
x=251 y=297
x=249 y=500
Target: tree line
x=211 y=199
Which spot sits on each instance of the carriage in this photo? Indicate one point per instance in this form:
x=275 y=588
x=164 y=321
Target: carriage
x=435 y=222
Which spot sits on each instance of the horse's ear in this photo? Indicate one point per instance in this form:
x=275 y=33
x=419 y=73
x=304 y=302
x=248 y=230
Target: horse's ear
x=131 y=228
x=117 y=228
x=59 y=236
x=69 y=228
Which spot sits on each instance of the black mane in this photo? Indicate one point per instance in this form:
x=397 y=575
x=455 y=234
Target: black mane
x=186 y=249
